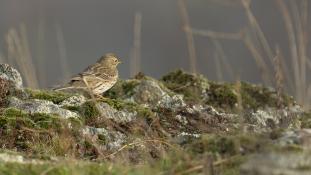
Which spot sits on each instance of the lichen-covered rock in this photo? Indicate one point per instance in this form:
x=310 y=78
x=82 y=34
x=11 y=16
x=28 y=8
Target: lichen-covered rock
x=73 y=101
x=6 y=157
x=152 y=93
x=111 y=140
x=301 y=137
x=41 y=106
x=272 y=118
x=119 y=116
x=193 y=86
x=9 y=73
x=278 y=164
x=4 y=90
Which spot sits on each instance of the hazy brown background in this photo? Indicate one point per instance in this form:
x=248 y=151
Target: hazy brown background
x=94 y=27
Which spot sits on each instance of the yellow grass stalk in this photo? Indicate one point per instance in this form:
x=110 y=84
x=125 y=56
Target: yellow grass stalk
x=135 y=61
x=189 y=36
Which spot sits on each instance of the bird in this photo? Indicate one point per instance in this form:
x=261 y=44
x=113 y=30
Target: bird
x=96 y=78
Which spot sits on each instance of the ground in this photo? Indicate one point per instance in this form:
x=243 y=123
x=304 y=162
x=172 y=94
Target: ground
x=180 y=124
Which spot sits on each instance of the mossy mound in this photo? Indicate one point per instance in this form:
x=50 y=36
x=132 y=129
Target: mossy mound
x=192 y=86
x=54 y=96
x=180 y=124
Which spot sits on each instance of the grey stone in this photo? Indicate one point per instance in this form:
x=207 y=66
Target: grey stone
x=41 y=106
x=270 y=118
x=300 y=137
x=121 y=116
x=6 y=157
x=113 y=139
x=73 y=101
x=9 y=73
x=278 y=164
x=151 y=93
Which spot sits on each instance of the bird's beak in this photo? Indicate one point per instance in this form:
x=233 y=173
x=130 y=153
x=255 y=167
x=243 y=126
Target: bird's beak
x=119 y=62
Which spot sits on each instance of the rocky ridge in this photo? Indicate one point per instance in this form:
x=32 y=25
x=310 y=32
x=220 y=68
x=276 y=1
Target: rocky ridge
x=221 y=127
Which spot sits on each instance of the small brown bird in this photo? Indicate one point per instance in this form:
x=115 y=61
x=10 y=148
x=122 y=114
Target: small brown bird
x=97 y=78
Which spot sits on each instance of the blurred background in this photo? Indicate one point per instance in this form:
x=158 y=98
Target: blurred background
x=259 y=41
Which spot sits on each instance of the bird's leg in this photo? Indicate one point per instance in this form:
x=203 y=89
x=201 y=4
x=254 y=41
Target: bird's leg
x=100 y=97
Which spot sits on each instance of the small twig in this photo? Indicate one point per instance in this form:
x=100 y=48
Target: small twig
x=137 y=143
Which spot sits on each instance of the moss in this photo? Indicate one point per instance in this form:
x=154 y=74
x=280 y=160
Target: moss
x=222 y=95
x=190 y=85
x=36 y=133
x=122 y=88
x=89 y=110
x=130 y=107
x=54 y=96
x=306 y=120
x=254 y=96
x=216 y=144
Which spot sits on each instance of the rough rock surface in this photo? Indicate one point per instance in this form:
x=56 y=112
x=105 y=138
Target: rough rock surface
x=113 y=139
x=278 y=164
x=119 y=116
x=73 y=101
x=9 y=73
x=41 y=106
x=181 y=118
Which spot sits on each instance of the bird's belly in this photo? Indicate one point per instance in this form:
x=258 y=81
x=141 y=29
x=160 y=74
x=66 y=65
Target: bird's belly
x=102 y=87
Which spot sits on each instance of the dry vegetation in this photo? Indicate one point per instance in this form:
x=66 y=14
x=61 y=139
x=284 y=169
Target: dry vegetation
x=57 y=139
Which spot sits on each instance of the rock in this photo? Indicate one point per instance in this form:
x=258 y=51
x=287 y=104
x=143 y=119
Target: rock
x=9 y=73
x=121 y=116
x=300 y=137
x=73 y=101
x=113 y=140
x=270 y=118
x=4 y=91
x=278 y=164
x=151 y=93
x=41 y=106
x=6 y=157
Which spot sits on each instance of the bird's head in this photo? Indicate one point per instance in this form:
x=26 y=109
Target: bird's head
x=109 y=60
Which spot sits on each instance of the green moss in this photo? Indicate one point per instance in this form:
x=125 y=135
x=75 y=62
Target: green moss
x=122 y=88
x=222 y=95
x=89 y=110
x=54 y=96
x=12 y=117
x=306 y=120
x=190 y=85
x=130 y=107
x=216 y=144
x=37 y=133
x=254 y=96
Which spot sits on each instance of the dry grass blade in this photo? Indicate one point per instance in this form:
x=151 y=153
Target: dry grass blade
x=278 y=77
x=18 y=50
x=139 y=143
x=257 y=29
x=40 y=51
x=217 y=35
x=289 y=25
x=219 y=71
x=189 y=36
x=135 y=62
x=215 y=164
x=62 y=51
x=263 y=68
x=300 y=19
x=223 y=58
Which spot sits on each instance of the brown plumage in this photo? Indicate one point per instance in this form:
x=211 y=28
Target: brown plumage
x=97 y=78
